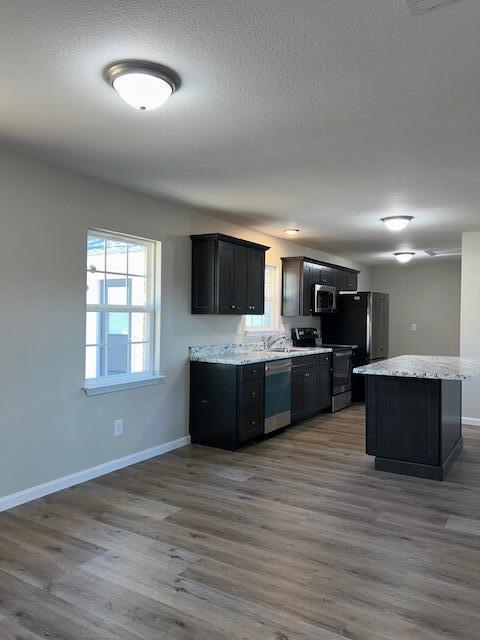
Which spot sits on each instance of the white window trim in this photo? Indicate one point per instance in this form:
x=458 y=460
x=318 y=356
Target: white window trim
x=277 y=322
x=98 y=386
x=109 y=384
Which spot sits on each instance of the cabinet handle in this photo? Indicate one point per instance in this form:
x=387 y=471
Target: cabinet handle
x=254 y=371
x=307 y=375
x=253 y=394
x=203 y=401
x=234 y=306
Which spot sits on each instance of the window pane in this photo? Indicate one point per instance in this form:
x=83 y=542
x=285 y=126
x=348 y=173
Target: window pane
x=117 y=355
x=117 y=343
x=94 y=362
x=116 y=256
x=138 y=291
x=95 y=327
x=139 y=327
x=95 y=288
x=96 y=253
x=139 y=358
x=118 y=324
x=116 y=289
x=137 y=259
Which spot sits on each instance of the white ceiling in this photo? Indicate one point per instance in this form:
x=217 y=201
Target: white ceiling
x=322 y=114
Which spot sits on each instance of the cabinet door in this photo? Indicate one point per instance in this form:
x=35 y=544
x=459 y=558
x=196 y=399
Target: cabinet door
x=308 y=275
x=256 y=282
x=240 y=278
x=324 y=386
x=297 y=394
x=310 y=391
x=347 y=281
x=327 y=276
x=226 y=277
x=203 y=276
x=232 y=278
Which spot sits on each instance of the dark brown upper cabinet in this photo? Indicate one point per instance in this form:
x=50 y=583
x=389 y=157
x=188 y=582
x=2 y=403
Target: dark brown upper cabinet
x=301 y=274
x=228 y=275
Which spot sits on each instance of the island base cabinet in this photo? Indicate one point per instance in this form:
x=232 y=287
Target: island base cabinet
x=413 y=425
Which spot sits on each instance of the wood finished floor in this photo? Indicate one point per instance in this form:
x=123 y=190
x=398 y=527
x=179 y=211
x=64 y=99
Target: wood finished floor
x=295 y=538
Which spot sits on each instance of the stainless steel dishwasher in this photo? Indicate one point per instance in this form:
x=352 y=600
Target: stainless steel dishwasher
x=278 y=393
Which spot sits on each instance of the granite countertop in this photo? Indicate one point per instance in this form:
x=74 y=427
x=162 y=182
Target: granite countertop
x=247 y=353
x=436 y=367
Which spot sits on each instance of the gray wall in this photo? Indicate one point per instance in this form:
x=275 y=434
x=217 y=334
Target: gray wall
x=48 y=427
x=470 y=320
x=428 y=294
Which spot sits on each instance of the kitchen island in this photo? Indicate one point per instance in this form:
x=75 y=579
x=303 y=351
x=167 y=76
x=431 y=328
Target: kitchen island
x=414 y=413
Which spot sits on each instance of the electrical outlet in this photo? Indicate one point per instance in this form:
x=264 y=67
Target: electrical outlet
x=118 y=427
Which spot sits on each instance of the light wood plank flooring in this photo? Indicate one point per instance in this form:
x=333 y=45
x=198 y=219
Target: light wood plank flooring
x=294 y=538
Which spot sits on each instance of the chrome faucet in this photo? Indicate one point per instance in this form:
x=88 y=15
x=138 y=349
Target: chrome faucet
x=269 y=344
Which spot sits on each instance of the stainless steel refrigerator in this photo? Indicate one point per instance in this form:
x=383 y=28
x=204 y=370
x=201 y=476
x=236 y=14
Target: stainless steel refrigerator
x=362 y=319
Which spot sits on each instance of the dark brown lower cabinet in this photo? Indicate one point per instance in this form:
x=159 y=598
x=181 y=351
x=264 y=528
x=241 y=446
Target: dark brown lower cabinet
x=227 y=401
x=414 y=425
x=305 y=388
x=226 y=404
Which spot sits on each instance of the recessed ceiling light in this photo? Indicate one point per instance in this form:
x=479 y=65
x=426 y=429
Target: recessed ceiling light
x=291 y=232
x=143 y=85
x=397 y=223
x=404 y=256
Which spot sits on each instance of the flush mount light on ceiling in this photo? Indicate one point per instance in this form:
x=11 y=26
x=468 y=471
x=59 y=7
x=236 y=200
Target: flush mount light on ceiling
x=396 y=223
x=292 y=231
x=404 y=256
x=143 y=85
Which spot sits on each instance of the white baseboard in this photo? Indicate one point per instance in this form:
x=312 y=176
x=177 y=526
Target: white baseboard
x=474 y=422
x=40 y=490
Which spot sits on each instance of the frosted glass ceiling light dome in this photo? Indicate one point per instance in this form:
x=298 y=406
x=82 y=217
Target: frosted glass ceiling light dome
x=397 y=223
x=142 y=85
x=404 y=256
x=291 y=231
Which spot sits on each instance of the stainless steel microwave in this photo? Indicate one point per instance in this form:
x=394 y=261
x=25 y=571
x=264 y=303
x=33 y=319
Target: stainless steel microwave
x=324 y=299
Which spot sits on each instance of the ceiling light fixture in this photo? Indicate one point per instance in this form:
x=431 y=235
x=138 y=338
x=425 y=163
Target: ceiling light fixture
x=143 y=85
x=404 y=256
x=396 y=223
x=291 y=232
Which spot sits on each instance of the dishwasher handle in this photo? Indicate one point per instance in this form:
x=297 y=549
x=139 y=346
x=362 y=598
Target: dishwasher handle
x=271 y=369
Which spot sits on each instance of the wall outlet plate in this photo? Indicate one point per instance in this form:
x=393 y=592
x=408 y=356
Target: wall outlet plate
x=118 y=427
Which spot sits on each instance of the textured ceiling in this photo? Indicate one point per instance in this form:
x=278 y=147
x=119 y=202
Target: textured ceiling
x=323 y=114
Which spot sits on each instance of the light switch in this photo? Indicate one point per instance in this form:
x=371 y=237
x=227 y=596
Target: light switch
x=413 y=326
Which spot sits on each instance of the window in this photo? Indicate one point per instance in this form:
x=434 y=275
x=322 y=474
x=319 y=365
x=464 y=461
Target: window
x=121 y=309
x=267 y=322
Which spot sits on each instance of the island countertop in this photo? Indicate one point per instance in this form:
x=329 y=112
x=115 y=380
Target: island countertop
x=433 y=367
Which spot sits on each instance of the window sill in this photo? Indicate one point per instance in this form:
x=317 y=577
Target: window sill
x=98 y=387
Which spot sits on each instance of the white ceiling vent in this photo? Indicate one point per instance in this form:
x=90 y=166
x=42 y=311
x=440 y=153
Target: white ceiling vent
x=420 y=7
x=433 y=253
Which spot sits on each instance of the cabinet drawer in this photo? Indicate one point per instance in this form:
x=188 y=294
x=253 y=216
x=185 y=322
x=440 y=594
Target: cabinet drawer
x=250 y=423
x=325 y=358
x=251 y=371
x=250 y=393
